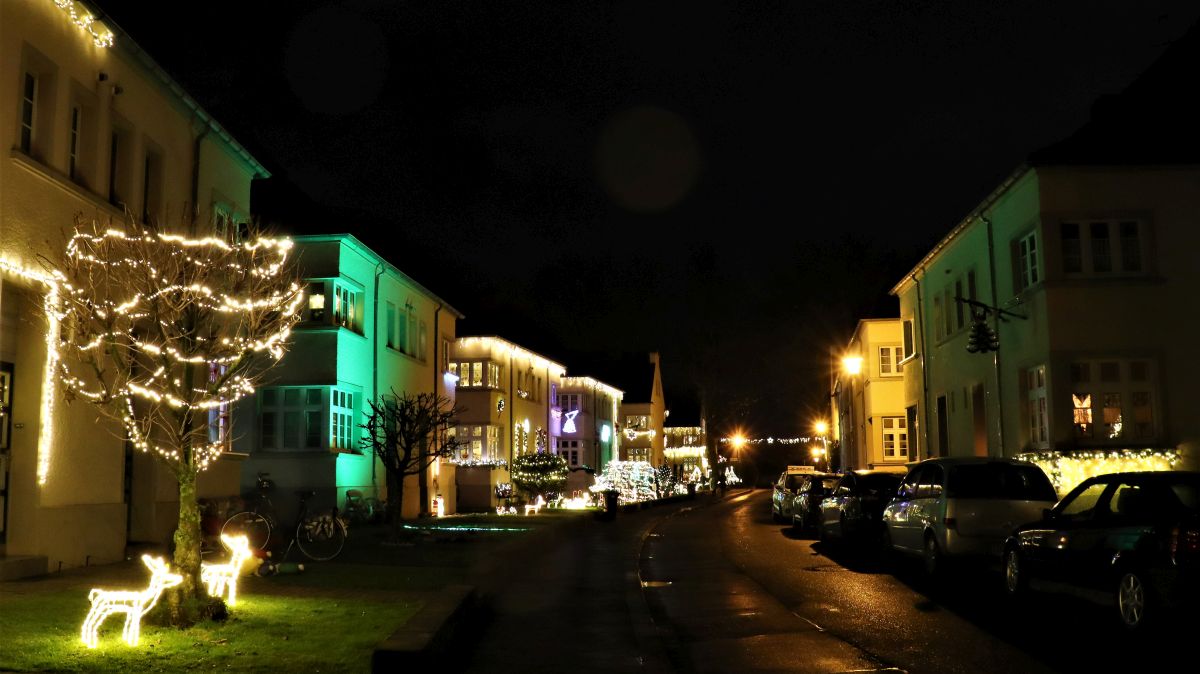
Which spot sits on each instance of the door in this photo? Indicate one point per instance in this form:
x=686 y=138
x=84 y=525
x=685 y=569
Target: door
x=979 y=421
x=942 y=426
x=6 y=380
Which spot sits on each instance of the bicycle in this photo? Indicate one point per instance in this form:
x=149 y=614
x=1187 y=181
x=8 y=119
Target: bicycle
x=362 y=510
x=320 y=537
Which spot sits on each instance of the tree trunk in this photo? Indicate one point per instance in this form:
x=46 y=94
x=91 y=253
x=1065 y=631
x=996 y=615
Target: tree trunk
x=396 y=502
x=423 y=478
x=182 y=599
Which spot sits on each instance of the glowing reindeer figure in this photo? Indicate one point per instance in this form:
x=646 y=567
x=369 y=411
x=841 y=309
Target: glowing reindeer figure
x=220 y=577
x=133 y=604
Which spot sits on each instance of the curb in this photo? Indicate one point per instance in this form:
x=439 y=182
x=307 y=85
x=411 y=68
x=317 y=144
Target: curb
x=428 y=635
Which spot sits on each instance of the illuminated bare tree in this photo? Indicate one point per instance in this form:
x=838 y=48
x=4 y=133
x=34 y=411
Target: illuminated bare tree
x=162 y=334
x=408 y=433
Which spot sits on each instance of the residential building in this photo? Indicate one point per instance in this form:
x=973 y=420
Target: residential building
x=1081 y=263
x=684 y=448
x=509 y=398
x=868 y=398
x=370 y=332
x=642 y=422
x=95 y=129
x=589 y=438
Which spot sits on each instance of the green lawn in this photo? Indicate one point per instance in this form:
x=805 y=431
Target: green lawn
x=264 y=634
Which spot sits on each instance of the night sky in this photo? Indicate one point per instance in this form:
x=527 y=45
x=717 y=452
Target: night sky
x=732 y=185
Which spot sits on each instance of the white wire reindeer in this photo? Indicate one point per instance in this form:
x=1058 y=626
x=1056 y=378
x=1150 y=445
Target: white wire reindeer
x=133 y=604
x=221 y=577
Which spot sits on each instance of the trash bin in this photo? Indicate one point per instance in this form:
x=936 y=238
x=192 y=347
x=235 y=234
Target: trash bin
x=610 y=504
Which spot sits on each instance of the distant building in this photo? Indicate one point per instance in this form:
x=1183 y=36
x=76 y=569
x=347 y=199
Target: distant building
x=684 y=448
x=642 y=421
x=509 y=397
x=369 y=332
x=589 y=439
x=94 y=128
x=868 y=398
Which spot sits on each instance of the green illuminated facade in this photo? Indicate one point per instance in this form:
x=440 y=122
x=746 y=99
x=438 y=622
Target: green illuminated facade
x=368 y=329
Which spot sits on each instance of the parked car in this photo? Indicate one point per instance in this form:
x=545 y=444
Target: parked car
x=854 y=509
x=951 y=508
x=1128 y=540
x=806 y=505
x=786 y=488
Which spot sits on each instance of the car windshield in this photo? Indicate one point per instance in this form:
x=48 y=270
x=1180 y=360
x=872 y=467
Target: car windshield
x=793 y=481
x=827 y=483
x=1001 y=481
x=879 y=483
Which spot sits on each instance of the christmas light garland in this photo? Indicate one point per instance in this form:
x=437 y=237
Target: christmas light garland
x=80 y=16
x=1068 y=469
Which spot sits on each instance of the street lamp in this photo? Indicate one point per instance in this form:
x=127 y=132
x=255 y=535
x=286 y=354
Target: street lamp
x=852 y=364
x=822 y=428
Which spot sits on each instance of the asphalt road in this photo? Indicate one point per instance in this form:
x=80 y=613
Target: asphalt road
x=730 y=590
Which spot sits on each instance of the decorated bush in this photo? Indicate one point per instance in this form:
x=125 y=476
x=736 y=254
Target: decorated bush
x=539 y=473
x=633 y=480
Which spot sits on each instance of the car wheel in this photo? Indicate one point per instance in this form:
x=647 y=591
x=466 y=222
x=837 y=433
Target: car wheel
x=1015 y=580
x=932 y=557
x=1132 y=596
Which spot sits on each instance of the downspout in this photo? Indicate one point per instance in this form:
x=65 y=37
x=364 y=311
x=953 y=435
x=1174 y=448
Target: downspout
x=996 y=327
x=424 y=485
x=375 y=357
x=924 y=364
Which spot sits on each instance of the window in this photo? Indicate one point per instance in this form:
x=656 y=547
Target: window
x=937 y=317
x=422 y=342
x=29 y=91
x=401 y=342
x=959 y=306
x=889 y=361
x=292 y=418
x=1082 y=503
x=343 y=429
x=909 y=348
x=895 y=437
x=493 y=375
x=1027 y=262
x=345 y=307
x=471 y=439
x=1103 y=247
x=568 y=402
x=151 y=186
x=1035 y=378
x=73 y=143
x=391 y=325
x=637 y=423
x=218 y=417
x=1112 y=400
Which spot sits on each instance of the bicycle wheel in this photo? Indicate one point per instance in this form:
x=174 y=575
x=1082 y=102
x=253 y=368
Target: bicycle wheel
x=256 y=528
x=320 y=537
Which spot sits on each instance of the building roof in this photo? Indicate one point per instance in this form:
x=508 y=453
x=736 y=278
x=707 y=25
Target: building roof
x=588 y=382
x=513 y=349
x=353 y=242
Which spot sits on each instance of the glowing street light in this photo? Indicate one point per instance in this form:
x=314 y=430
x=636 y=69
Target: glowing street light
x=821 y=427
x=852 y=364
x=738 y=440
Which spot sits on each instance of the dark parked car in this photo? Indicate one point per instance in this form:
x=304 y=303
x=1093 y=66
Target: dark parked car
x=1129 y=540
x=806 y=505
x=854 y=509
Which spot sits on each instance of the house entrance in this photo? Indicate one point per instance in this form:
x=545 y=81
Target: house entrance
x=6 y=377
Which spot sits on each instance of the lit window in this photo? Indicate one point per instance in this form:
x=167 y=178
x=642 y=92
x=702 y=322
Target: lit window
x=345 y=307
x=342 y=426
x=1112 y=416
x=895 y=437
x=1082 y=404
x=889 y=361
